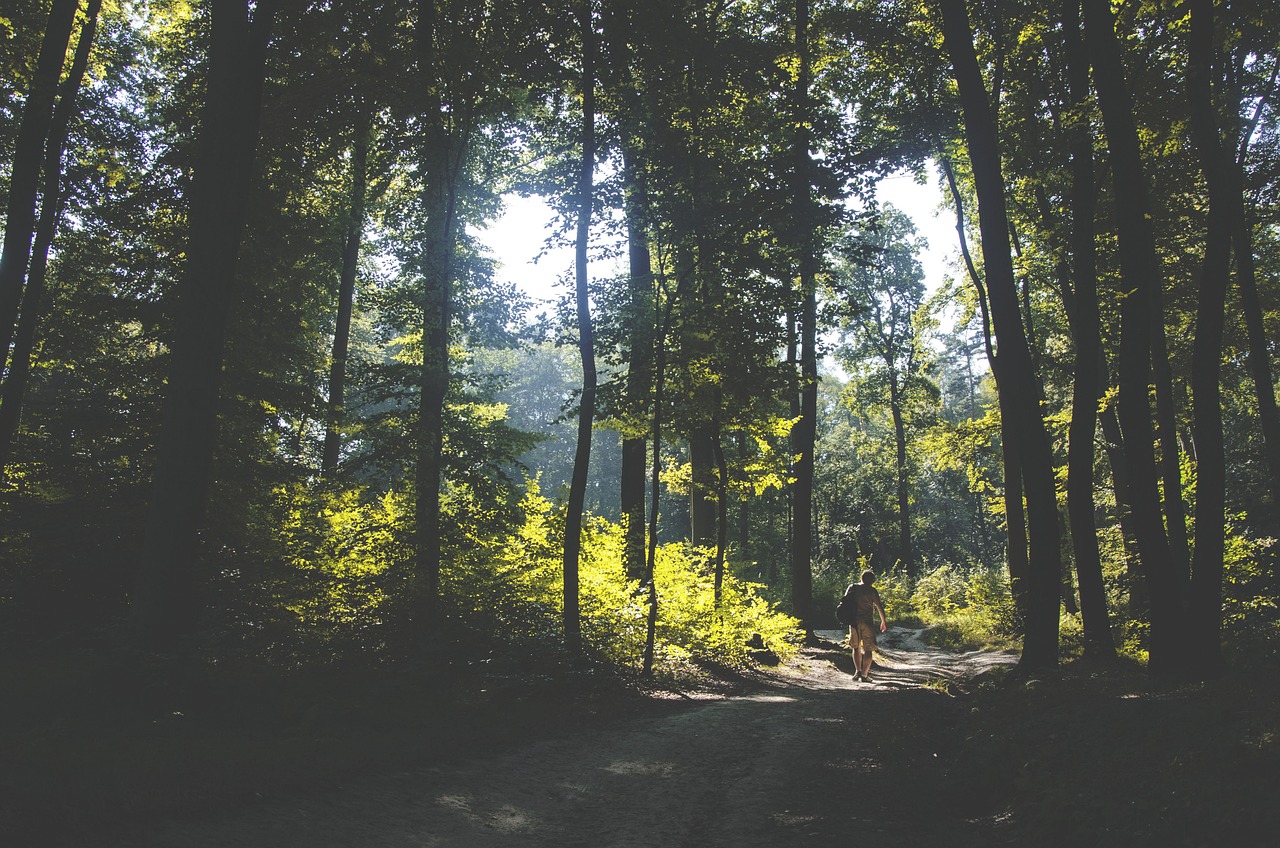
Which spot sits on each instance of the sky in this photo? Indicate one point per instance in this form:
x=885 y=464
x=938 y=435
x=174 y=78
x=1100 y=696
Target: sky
x=518 y=237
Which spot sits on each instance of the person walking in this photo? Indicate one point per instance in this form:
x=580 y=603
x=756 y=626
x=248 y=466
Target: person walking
x=862 y=632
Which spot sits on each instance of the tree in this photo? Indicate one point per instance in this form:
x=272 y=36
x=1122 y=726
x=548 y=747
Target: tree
x=1016 y=375
x=882 y=284
x=15 y=380
x=586 y=337
x=1139 y=266
x=164 y=602
x=28 y=156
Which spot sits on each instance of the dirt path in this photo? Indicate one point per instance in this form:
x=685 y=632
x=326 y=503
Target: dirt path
x=808 y=757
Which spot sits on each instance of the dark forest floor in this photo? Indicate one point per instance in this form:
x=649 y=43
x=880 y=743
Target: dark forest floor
x=800 y=755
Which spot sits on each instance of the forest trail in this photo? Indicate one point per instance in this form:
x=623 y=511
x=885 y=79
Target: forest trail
x=805 y=757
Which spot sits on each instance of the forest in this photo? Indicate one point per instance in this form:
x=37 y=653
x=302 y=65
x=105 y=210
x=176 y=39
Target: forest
x=270 y=410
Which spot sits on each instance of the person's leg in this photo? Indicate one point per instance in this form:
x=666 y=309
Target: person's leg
x=868 y=651
x=867 y=639
x=855 y=645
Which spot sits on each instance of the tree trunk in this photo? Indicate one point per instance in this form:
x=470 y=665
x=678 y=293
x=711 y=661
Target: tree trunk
x=633 y=127
x=24 y=173
x=904 y=500
x=586 y=340
x=639 y=368
x=442 y=157
x=1140 y=269
x=346 y=298
x=805 y=431
x=1205 y=602
x=1086 y=330
x=1015 y=522
x=722 y=525
x=1040 y=646
x=1259 y=359
x=14 y=389
x=702 y=490
x=164 y=604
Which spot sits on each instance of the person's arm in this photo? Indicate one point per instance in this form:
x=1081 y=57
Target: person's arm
x=883 y=625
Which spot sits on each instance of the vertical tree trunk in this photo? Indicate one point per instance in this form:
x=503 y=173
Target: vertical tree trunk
x=722 y=525
x=1259 y=359
x=904 y=496
x=346 y=297
x=586 y=339
x=164 y=603
x=702 y=491
x=633 y=125
x=1086 y=328
x=805 y=431
x=1140 y=268
x=24 y=174
x=639 y=368
x=1205 y=603
x=14 y=389
x=1015 y=521
x=1040 y=645
x=443 y=154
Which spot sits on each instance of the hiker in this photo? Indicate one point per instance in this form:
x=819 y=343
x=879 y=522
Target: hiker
x=862 y=632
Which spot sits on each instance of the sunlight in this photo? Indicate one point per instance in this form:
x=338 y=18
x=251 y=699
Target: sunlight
x=518 y=238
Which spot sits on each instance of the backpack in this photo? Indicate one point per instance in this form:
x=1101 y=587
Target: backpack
x=847 y=609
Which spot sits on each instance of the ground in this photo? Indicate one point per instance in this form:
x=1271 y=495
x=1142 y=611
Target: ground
x=944 y=749
x=800 y=756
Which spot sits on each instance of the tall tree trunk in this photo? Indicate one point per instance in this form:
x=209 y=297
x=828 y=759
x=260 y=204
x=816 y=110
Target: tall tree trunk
x=616 y=24
x=586 y=339
x=346 y=297
x=24 y=173
x=1205 y=602
x=1140 y=268
x=722 y=525
x=683 y=275
x=1086 y=329
x=702 y=490
x=639 y=369
x=443 y=154
x=1259 y=359
x=164 y=602
x=1015 y=521
x=904 y=496
x=14 y=389
x=804 y=434
x=1040 y=645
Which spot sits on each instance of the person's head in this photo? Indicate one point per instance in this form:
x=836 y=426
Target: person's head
x=868 y=577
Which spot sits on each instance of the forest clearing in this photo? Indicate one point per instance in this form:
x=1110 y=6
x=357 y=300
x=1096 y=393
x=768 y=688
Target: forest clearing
x=320 y=526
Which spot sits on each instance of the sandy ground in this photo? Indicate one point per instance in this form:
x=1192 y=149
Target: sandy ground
x=806 y=757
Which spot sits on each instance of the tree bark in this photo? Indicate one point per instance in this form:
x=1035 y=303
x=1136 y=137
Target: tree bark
x=346 y=297
x=24 y=174
x=1086 y=330
x=1015 y=522
x=1140 y=269
x=164 y=603
x=904 y=496
x=805 y=431
x=1259 y=358
x=443 y=153
x=633 y=123
x=1205 y=601
x=14 y=389
x=586 y=340
x=1040 y=645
